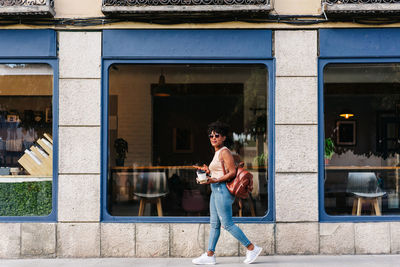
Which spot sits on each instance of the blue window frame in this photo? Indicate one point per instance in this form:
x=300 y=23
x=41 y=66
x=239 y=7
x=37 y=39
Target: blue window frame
x=152 y=53
x=35 y=47
x=350 y=46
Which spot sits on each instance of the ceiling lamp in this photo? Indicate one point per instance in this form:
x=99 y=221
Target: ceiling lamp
x=346 y=114
x=162 y=90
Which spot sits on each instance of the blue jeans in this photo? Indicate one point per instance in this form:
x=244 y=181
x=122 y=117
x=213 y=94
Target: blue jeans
x=221 y=213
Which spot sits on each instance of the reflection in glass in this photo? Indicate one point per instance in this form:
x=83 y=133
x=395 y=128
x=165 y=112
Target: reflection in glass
x=362 y=172
x=158 y=117
x=26 y=145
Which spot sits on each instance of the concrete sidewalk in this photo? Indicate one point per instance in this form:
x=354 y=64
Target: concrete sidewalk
x=306 y=261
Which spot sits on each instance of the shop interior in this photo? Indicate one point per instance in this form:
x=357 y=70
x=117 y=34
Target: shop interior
x=26 y=120
x=26 y=144
x=362 y=139
x=158 y=117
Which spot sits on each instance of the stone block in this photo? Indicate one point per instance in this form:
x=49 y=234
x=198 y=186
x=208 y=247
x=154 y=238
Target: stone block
x=395 y=237
x=296 y=100
x=80 y=54
x=79 y=150
x=10 y=240
x=227 y=245
x=78 y=240
x=78 y=8
x=152 y=240
x=297 y=238
x=187 y=240
x=372 y=238
x=117 y=240
x=296 y=53
x=79 y=198
x=263 y=235
x=336 y=238
x=38 y=239
x=79 y=102
x=292 y=7
x=296 y=148
x=296 y=196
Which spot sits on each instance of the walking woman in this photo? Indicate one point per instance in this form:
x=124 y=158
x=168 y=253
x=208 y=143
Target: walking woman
x=221 y=200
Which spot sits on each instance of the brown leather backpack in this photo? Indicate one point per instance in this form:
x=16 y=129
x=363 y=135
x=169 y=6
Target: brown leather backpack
x=242 y=184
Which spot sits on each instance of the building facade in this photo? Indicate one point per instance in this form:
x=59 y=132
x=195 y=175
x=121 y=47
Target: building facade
x=104 y=107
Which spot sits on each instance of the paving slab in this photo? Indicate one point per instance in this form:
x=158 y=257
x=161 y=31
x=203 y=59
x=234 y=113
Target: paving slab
x=309 y=261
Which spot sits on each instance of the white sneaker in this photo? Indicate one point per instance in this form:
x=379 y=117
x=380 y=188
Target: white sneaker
x=251 y=255
x=204 y=259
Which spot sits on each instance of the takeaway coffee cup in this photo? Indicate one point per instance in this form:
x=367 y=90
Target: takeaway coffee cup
x=201 y=176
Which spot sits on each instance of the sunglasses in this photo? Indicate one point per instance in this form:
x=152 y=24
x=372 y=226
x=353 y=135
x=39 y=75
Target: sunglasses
x=214 y=135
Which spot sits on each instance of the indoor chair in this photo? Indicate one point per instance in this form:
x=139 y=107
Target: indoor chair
x=364 y=187
x=150 y=187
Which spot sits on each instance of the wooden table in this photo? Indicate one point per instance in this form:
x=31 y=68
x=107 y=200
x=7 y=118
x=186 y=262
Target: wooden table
x=132 y=168
x=345 y=168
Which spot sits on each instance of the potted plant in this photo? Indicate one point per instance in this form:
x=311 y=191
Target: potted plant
x=121 y=147
x=329 y=149
x=260 y=161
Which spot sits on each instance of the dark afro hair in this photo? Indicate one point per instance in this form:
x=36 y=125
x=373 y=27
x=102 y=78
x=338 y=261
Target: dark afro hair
x=218 y=127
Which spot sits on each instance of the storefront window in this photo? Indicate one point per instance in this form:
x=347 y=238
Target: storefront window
x=362 y=139
x=158 y=117
x=26 y=145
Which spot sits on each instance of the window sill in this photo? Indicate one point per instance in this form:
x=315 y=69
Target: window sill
x=23 y=178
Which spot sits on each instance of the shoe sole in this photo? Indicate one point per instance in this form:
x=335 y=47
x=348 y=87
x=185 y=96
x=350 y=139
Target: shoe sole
x=211 y=263
x=254 y=257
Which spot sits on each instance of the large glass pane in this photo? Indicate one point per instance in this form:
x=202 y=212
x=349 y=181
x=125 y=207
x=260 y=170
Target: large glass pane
x=26 y=150
x=158 y=117
x=362 y=139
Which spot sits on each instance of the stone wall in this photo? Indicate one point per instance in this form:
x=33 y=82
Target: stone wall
x=296 y=154
x=81 y=240
x=78 y=230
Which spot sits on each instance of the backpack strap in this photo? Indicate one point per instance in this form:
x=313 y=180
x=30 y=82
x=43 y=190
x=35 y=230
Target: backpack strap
x=223 y=168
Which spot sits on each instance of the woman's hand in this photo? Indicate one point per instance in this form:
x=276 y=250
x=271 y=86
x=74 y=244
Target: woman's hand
x=210 y=180
x=203 y=168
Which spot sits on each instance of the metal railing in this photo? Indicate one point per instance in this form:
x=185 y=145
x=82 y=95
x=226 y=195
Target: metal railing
x=343 y=2
x=361 y=6
x=27 y=7
x=181 y=7
x=181 y=2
